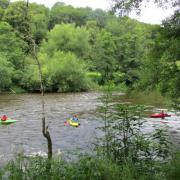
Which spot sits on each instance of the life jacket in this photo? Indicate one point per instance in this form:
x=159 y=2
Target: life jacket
x=4 y=118
x=75 y=119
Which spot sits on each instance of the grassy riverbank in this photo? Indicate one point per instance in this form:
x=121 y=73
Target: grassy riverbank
x=88 y=168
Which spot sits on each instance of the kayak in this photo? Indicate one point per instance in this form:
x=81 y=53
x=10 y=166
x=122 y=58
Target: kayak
x=8 y=121
x=160 y=115
x=73 y=123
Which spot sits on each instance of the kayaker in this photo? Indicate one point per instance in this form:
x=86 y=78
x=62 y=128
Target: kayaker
x=74 y=118
x=163 y=115
x=4 y=118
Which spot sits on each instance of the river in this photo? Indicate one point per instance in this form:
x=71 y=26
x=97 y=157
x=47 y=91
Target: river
x=25 y=136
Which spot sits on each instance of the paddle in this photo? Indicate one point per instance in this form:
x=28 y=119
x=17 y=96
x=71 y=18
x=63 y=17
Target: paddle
x=66 y=123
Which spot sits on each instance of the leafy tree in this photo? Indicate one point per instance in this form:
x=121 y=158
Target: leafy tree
x=126 y=5
x=160 y=69
x=39 y=25
x=61 y=13
x=67 y=37
x=6 y=72
x=11 y=46
x=99 y=16
x=30 y=80
x=131 y=39
x=103 y=55
x=93 y=31
x=66 y=73
x=16 y=16
x=172 y=25
x=151 y=68
x=170 y=75
x=3 y=5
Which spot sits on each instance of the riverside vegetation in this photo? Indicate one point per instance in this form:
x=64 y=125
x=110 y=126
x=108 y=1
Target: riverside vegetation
x=78 y=46
x=80 y=49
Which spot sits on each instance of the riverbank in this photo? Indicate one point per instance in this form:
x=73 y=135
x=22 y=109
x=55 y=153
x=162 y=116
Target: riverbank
x=86 y=168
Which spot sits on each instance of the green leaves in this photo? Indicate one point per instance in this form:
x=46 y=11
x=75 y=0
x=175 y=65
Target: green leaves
x=16 y=16
x=66 y=37
x=66 y=73
x=11 y=45
x=40 y=17
x=124 y=140
x=6 y=72
x=125 y=6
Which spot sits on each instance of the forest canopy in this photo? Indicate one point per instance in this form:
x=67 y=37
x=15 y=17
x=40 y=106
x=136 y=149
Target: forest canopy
x=80 y=48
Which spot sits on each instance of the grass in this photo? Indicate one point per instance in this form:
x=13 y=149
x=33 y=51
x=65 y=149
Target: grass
x=87 y=168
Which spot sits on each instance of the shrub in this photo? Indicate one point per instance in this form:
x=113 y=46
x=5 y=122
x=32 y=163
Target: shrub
x=66 y=73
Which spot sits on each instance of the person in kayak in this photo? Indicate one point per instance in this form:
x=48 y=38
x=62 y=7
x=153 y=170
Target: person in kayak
x=163 y=115
x=4 y=118
x=74 y=118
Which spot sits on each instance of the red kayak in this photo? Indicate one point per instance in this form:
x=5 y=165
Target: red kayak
x=160 y=115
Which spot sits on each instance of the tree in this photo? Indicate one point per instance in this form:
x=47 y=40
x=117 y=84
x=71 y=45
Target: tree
x=99 y=16
x=66 y=73
x=39 y=25
x=61 y=13
x=172 y=25
x=131 y=39
x=160 y=69
x=34 y=54
x=171 y=56
x=16 y=16
x=67 y=37
x=127 y=5
x=3 y=5
x=6 y=73
x=102 y=55
x=11 y=46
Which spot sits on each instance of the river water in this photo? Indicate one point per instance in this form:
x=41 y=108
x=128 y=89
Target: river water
x=25 y=136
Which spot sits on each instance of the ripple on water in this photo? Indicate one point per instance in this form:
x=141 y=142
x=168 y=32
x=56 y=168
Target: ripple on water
x=26 y=133
x=26 y=136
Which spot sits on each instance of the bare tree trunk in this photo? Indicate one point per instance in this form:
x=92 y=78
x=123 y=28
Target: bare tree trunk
x=45 y=131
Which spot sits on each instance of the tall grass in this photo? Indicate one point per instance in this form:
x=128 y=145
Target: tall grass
x=86 y=168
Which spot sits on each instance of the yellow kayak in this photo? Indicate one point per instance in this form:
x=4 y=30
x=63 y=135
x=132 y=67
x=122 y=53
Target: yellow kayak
x=73 y=123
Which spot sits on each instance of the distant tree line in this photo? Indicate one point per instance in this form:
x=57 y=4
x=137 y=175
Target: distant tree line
x=80 y=48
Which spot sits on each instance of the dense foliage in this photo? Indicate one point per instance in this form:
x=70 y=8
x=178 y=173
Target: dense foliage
x=86 y=168
x=78 y=46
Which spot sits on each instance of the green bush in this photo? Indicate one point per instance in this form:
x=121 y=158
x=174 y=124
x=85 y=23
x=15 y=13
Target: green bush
x=85 y=168
x=6 y=72
x=38 y=168
x=172 y=169
x=66 y=73
x=30 y=80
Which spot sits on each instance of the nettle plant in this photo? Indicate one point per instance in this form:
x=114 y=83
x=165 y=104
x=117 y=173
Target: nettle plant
x=124 y=140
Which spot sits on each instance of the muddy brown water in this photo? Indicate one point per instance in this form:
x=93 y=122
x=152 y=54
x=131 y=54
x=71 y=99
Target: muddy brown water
x=25 y=136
